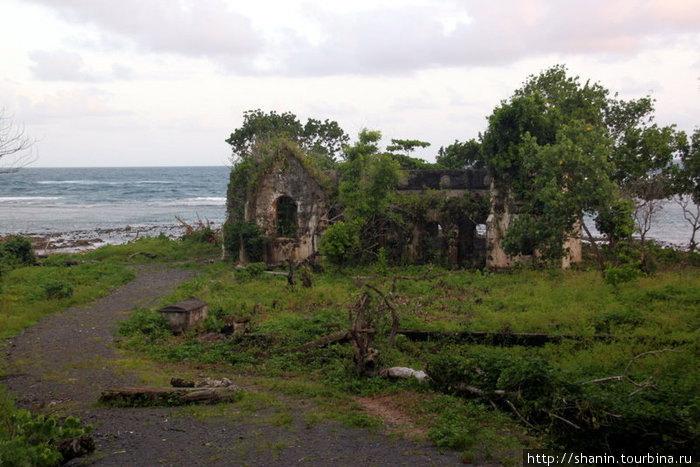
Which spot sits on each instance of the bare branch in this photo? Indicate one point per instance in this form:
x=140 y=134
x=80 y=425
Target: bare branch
x=512 y=407
x=624 y=376
x=15 y=146
x=552 y=414
x=692 y=216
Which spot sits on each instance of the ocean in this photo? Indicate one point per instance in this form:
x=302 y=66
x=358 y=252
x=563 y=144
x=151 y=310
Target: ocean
x=145 y=200
x=94 y=203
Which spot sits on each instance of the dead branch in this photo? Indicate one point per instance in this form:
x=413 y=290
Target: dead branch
x=394 y=314
x=625 y=375
x=135 y=396
x=468 y=388
x=512 y=407
x=188 y=227
x=325 y=340
x=552 y=414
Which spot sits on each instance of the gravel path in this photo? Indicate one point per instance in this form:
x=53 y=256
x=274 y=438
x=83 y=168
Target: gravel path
x=65 y=361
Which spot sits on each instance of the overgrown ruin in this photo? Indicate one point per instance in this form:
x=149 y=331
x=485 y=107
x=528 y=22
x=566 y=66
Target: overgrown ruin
x=445 y=216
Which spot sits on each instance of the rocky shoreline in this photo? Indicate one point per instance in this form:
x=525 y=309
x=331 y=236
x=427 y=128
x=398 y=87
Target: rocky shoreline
x=79 y=241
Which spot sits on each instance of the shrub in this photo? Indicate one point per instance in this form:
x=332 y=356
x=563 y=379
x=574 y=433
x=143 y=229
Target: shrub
x=203 y=235
x=338 y=241
x=144 y=321
x=16 y=252
x=613 y=416
x=27 y=439
x=617 y=276
x=249 y=272
x=57 y=290
x=244 y=235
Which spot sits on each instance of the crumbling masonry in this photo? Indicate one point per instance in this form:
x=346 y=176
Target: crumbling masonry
x=293 y=208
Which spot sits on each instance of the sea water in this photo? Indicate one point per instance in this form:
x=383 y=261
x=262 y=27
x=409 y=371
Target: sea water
x=48 y=200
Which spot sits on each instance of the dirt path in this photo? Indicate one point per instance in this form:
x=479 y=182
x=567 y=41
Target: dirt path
x=64 y=362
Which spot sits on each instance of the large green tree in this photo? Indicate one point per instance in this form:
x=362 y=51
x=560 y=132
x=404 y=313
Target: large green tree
x=563 y=149
x=406 y=160
x=368 y=178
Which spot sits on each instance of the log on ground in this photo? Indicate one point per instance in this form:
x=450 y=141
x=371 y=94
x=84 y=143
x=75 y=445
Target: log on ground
x=146 y=397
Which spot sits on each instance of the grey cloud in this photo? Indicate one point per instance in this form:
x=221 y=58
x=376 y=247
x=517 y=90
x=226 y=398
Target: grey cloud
x=502 y=31
x=60 y=65
x=64 y=65
x=75 y=103
x=207 y=27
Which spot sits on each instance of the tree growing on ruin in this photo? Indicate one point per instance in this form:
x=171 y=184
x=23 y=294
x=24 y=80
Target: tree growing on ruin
x=563 y=149
x=323 y=140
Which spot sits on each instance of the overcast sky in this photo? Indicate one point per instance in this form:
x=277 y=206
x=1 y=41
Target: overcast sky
x=165 y=82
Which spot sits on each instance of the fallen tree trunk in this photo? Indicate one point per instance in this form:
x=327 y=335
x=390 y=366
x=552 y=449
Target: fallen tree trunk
x=325 y=340
x=533 y=339
x=144 y=397
x=341 y=336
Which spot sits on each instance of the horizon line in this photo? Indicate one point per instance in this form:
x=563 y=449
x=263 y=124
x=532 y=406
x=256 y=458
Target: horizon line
x=115 y=166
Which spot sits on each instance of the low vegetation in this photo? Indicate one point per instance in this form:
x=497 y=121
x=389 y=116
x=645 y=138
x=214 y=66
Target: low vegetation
x=619 y=372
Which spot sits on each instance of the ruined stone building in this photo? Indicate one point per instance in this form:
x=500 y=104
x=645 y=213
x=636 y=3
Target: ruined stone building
x=446 y=215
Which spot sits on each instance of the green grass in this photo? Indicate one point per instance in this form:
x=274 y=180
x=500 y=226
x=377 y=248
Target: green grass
x=29 y=293
x=25 y=297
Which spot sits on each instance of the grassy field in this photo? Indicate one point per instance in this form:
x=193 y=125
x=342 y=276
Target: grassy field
x=639 y=338
x=626 y=376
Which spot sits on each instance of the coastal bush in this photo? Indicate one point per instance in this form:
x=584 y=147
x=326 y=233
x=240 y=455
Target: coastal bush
x=202 y=235
x=619 y=414
x=250 y=271
x=245 y=235
x=146 y=322
x=16 y=252
x=57 y=290
x=31 y=440
x=617 y=276
x=338 y=241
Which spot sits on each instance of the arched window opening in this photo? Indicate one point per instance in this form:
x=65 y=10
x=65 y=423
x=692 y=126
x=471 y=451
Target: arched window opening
x=434 y=229
x=286 y=217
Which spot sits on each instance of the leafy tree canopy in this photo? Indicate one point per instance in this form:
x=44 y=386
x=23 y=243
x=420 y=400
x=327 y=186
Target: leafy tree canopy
x=562 y=148
x=368 y=178
x=460 y=155
x=406 y=145
x=405 y=160
x=323 y=140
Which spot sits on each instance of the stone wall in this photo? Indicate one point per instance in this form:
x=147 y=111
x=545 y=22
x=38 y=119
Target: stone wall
x=503 y=212
x=293 y=209
x=288 y=179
